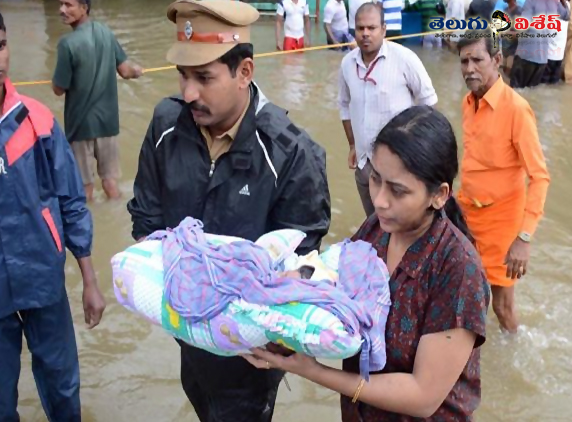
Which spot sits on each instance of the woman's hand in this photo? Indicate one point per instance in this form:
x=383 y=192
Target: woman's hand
x=297 y=363
x=278 y=349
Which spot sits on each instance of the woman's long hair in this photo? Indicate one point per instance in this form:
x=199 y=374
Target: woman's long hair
x=424 y=140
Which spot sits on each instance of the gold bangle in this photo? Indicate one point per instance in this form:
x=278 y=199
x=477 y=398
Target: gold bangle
x=358 y=390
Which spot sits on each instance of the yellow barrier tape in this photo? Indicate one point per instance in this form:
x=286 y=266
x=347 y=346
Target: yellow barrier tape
x=269 y=54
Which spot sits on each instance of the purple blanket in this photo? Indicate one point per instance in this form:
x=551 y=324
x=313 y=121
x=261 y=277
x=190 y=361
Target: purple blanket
x=202 y=279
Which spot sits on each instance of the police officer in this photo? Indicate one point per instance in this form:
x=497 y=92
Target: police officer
x=221 y=152
x=43 y=211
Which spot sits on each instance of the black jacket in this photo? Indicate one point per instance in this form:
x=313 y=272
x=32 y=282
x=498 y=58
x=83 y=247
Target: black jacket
x=273 y=177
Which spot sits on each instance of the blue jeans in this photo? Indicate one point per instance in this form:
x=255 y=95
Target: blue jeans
x=341 y=38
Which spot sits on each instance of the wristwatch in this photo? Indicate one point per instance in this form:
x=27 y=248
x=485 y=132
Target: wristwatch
x=525 y=237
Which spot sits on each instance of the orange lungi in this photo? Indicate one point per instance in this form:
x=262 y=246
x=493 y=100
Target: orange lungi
x=494 y=228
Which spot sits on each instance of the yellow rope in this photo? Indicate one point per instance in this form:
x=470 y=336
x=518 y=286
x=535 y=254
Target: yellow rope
x=270 y=54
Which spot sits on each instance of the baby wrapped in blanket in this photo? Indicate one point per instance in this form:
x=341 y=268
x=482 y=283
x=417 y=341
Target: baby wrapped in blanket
x=226 y=295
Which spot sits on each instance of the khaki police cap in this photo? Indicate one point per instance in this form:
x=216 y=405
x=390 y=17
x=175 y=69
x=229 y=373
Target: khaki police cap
x=207 y=29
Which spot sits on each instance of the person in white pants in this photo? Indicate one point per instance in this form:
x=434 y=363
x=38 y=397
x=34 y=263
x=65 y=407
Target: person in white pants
x=555 y=54
x=455 y=10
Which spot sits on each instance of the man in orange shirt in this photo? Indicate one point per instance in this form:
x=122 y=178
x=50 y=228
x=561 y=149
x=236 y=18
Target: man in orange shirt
x=501 y=148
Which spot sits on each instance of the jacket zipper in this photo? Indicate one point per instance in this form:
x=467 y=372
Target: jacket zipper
x=212 y=168
x=213 y=163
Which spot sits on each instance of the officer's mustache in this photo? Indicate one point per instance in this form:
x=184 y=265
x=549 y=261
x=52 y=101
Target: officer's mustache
x=197 y=107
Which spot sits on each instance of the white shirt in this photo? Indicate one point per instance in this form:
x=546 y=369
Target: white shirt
x=557 y=45
x=455 y=9
x=295 y=13
x=335 y=15
x=401 y=82
x=354 y=6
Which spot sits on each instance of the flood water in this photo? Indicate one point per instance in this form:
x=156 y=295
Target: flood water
x=130 y=369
